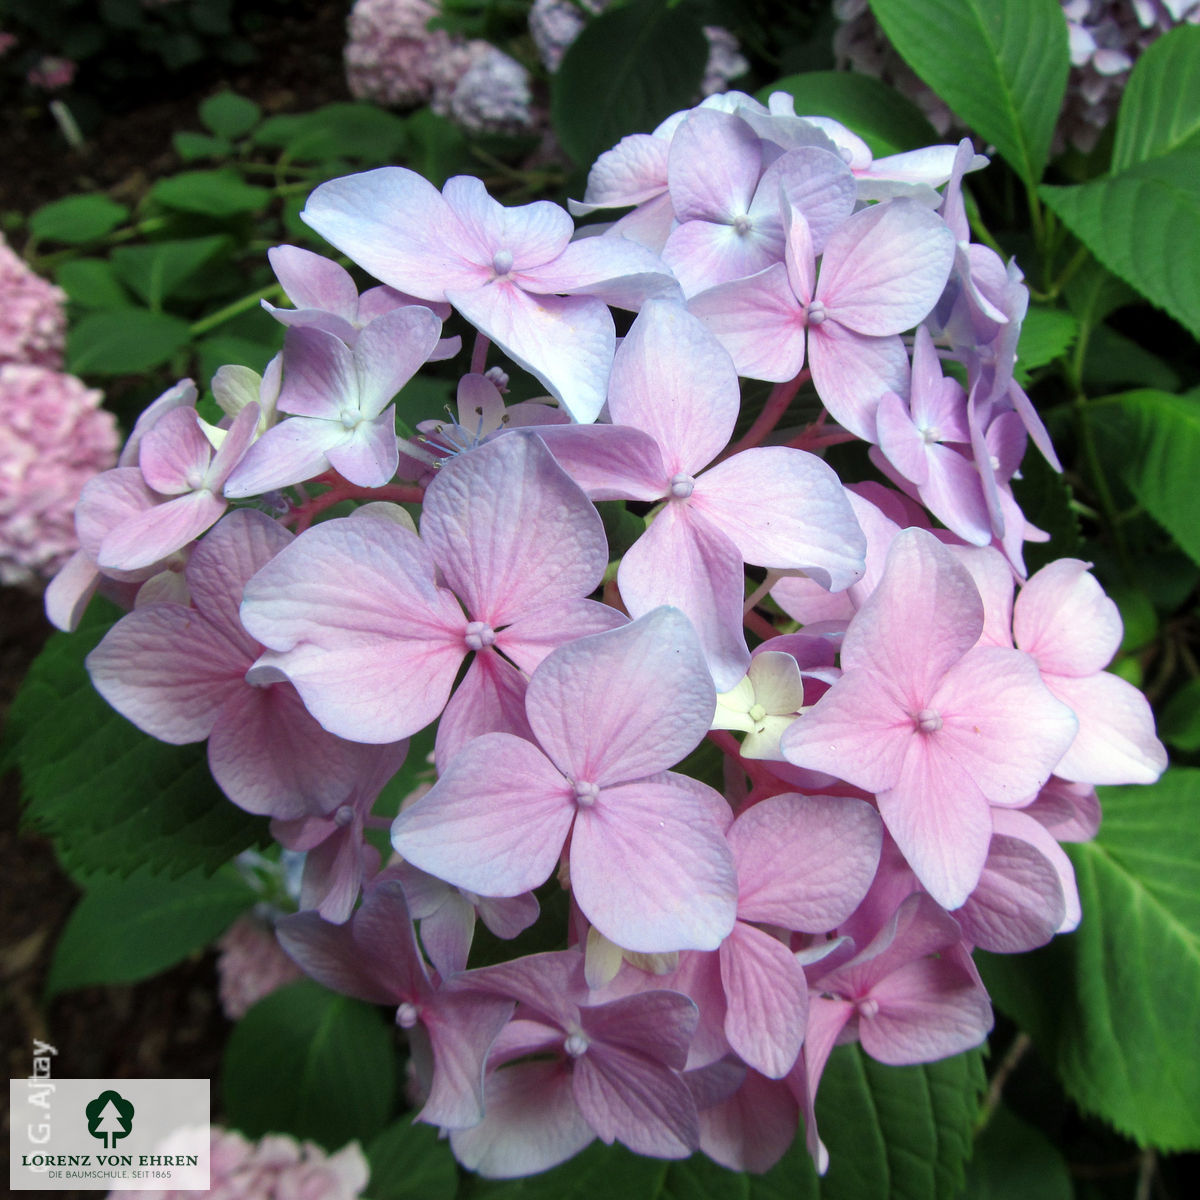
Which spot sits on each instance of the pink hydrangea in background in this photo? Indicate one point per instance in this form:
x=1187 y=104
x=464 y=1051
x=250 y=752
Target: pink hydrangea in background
x=52 y=73
x=56 y=438
x=390 y=52
x=276 y=1168
x=250 y=965
x=32 y=321
x=392 y=57
x=1106 y=38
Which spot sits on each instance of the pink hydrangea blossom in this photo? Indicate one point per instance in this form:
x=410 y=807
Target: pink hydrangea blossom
x=390 y=50
x=250 y=965
x=56 y=437
x=52 y=73
x=271 y=1169
x=32 y=321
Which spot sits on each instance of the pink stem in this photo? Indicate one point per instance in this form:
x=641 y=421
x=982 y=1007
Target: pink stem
x=340 y=490
x=759 y=624
x=777 y=403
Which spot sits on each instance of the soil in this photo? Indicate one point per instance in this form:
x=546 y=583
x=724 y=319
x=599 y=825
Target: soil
x=170 y=1026
x=298 y=68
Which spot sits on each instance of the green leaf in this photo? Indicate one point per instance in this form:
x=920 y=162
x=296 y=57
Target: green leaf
x=214 y=352
x=155 y=270
x=192 y=146
x=221 y=193
x=77 y=219
x=900 y=1132
x=1095 y=293
x=629 y=69
x=1160 y=435
x=92 y=283
x=1015 y=1161
x=1046 y=500
x=439 y=148
x=310 y=1063
x=1002 y=68
x=793 y=1177
x=1141 y=225
x=409 y=1161
x=423 y=398
x=621 y=527
x=1179 y=724
x=1046 y=334
x=699 y=1178
x=1138 y=618
x=358 y=131
x=888 y=122
x=598 y=1171
x=1113 y=360
x=111 y=798
x=124 y=341
x=1160 y=106
x=129 y=929
x=229 y=115
x=1116 y=1005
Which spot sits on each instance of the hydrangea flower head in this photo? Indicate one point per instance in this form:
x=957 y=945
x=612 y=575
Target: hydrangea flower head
x=56 y=437
x=33 y=324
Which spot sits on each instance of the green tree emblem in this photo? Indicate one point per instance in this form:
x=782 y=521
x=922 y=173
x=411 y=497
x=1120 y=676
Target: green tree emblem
x=109 y=1117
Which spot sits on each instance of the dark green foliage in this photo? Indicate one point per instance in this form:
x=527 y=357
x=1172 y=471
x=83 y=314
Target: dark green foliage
x=112 y=798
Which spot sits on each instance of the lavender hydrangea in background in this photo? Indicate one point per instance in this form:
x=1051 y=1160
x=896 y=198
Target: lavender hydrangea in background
x=492 y=95
x=1106 y=39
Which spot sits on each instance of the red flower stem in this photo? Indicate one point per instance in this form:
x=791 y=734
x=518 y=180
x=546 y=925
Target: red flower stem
x=759 y=624
x=725 y=742
x=781 y=396
x=815 y=437
x=340 y=490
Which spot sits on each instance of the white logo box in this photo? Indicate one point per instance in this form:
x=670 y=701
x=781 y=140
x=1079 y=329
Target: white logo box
x=108 y=1134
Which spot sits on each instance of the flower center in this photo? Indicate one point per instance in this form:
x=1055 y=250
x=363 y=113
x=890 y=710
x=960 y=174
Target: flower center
x=681 y=486
x=742 y=225
x=586 y=793
x=928 y=721
x=477 y=635
x=502 y=262
x=816 y=313
x=576 y=1045
x=344 y=816
x=868 y=1007
x=406 y=1015
x=757 y=712
x=350 y=418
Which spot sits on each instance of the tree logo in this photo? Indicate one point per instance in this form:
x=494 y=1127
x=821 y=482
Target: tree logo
x=109 y=1117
